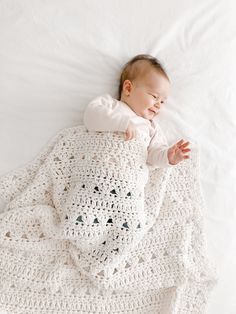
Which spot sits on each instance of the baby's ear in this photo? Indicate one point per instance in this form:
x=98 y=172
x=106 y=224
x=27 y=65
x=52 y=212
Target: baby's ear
x=127 y=86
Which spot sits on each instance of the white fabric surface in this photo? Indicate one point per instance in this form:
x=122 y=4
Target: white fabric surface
x=56 y=56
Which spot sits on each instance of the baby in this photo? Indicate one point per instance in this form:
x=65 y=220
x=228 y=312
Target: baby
x=107 y=210
x=144 y=88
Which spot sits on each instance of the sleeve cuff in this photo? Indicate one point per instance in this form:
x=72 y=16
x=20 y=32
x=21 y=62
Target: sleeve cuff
x=167 y=160
x=159 y=160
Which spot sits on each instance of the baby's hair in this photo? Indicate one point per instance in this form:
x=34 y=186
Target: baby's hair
x=131 y=70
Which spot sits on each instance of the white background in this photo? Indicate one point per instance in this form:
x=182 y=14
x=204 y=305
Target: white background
x=56 y=56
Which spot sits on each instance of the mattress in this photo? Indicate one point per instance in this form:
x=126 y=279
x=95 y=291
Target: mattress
x=57 y=56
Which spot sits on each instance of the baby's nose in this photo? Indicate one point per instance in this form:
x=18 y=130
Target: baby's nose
x=157 y=105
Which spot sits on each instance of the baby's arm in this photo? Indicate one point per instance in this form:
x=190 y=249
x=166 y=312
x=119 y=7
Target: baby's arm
x=105 y=114
x=158 y=150
x=162 y=155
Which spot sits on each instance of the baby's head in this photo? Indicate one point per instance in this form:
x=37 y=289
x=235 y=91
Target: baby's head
x=144 y=85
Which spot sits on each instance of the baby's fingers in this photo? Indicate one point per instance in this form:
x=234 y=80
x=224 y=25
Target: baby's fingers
x=133 y=135
x=128 y=136
x=185 y=144
x=179 y=142
x=186 y=150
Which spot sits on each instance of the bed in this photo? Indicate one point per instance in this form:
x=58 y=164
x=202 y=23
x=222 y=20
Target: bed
x=56 y=56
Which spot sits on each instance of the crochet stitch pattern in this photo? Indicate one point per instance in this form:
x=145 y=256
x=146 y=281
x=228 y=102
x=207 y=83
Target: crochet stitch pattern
x=89 y=227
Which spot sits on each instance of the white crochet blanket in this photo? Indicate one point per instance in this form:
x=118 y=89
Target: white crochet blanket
x=88 y=227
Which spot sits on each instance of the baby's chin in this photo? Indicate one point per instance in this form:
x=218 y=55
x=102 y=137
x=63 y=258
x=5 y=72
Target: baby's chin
x=150 y=114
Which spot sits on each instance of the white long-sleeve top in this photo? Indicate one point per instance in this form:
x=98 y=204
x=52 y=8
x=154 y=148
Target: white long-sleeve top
x=105 y=113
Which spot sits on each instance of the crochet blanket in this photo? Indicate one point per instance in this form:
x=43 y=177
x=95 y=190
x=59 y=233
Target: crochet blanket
x=89 y=227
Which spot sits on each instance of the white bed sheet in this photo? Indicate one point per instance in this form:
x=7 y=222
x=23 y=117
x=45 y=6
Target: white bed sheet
x=55 y=56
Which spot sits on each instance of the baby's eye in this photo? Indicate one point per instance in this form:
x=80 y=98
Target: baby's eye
x=156 y=97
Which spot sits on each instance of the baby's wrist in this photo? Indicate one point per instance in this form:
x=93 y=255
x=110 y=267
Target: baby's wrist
x=170 y=159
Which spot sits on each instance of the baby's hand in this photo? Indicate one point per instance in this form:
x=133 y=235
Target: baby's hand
x=130 y=133
x=177 y=152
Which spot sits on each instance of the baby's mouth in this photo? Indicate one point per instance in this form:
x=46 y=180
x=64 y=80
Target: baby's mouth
x=153 y=111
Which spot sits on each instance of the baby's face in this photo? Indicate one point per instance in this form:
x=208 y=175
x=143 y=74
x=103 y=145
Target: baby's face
x=146 y=95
